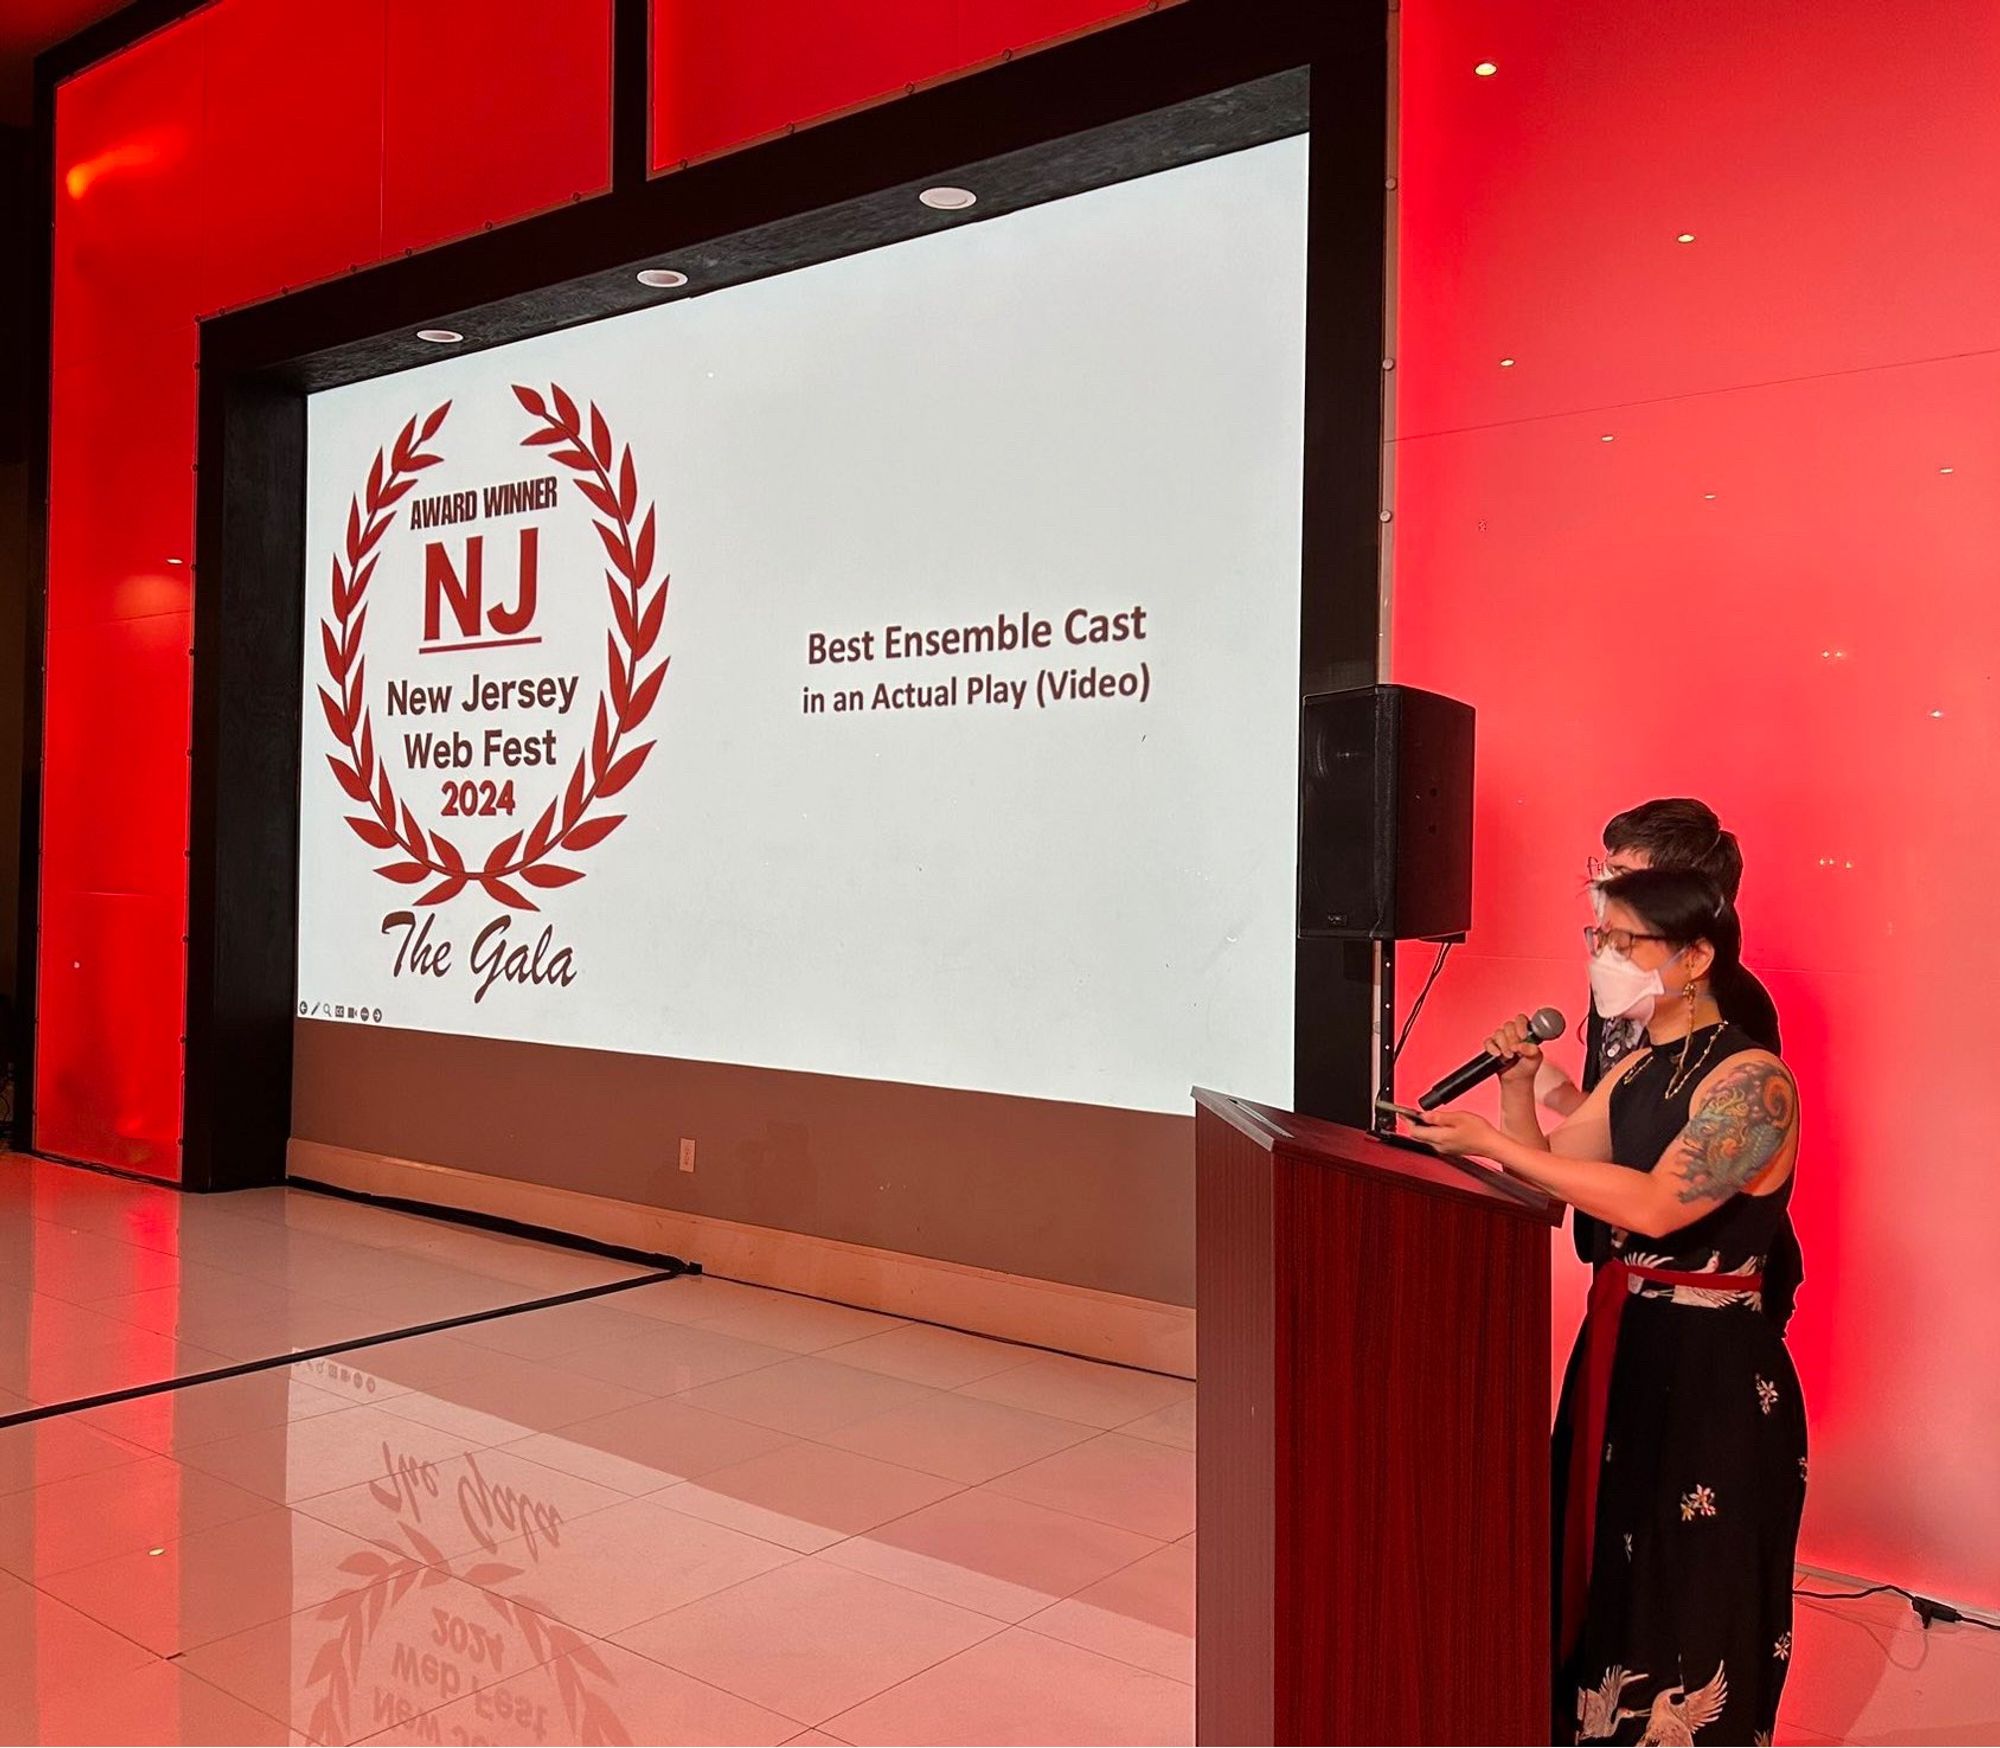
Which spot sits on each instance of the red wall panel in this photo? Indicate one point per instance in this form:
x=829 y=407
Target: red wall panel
x=728 y=71
x=491 y=112
x=256 y=145
x=1763 y=590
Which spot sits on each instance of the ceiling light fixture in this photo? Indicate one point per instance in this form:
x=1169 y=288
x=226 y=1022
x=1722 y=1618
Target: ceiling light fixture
x=1947 y=470
x=1506 y=364
x=440 y=336
x=1607 y=437
x=662 y=278
x=948 y=199
x=176 y=561
x=1486 y=69
x=1685 y=237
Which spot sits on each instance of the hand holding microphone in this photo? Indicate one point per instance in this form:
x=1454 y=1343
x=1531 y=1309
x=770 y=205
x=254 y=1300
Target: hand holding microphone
x=1514 y=1052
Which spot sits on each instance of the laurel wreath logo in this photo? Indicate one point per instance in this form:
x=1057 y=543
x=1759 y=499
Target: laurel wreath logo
x=606 y=478
x=384 y=1579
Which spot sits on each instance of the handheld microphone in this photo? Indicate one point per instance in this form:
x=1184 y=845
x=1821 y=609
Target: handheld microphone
x=1544 y=1024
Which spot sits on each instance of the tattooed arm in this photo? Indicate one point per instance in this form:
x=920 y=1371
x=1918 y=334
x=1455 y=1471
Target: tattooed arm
x=1739 y=1135
x=1740 y=1122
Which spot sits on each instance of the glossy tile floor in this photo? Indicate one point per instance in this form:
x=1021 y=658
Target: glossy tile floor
x=690 y=1511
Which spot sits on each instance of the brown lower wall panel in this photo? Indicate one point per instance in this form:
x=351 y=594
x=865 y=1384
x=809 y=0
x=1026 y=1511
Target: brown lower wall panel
x=1082 y=1194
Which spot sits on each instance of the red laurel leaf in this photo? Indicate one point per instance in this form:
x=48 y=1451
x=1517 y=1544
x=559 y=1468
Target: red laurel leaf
x=621 y=609
x=330 y=646
x=628 y=488
x=643 y=698
x=621 y=679
x=375 y=478
x=649 y=622
x=348 y=778
x=623 y=771
x=542 y=438
x=543 y=835
x=447 y=853
x=445 y=890
x=614 y=543
x=642 y=550
x=573 y=795
x=592 y=831
x=403 y=873
x=335 y=718
x=600 y=739
x=600 y=439
x=600 y=499
x=422 y=461
x=431 y=424
x=531 y=401
x=574 y=457
x=376 y=837
x=506 y=894
x=566 y=410
x=548 y=874
x=500 y=852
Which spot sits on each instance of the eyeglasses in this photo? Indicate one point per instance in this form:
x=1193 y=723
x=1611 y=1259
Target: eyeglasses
x=1618 y=940
x=1598 y=869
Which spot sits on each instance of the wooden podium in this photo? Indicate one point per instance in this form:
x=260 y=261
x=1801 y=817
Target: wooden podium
x=1373 y=1438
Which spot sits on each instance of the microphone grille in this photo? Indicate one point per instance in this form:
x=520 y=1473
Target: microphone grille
x=1547 y=1023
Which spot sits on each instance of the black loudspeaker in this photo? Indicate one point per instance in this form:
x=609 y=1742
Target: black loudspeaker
x=1385 y=815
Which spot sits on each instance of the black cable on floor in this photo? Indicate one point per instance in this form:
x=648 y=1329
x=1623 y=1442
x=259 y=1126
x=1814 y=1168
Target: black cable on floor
x=1926 y=1608
x=49 y=1410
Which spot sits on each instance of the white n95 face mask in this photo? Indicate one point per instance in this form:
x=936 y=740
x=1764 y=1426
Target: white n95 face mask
x=1620 y=990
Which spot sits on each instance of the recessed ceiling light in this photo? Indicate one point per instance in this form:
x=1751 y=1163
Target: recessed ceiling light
x=662 y=278
x=1685 y=237
x=1947 y=470
x=1486 y=69
x=440 y=336
x=1708 y=497
x=948 y=199
x=1607 y=437
x=1506 y=364
x=1937 y=713
x=176 y=561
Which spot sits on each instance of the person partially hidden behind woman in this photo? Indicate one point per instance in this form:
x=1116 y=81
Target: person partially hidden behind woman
x=1680 y=1444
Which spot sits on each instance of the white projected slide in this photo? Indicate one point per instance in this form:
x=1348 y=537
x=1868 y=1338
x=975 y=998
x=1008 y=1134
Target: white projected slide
x=887 y=669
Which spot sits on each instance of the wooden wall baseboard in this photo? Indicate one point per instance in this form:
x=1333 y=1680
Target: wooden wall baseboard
x=1078 y=1320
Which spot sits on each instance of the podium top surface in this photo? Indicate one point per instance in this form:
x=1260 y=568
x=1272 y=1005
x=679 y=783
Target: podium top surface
x=1313 y=1140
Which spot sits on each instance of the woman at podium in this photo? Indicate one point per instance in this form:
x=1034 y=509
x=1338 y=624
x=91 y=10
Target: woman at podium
x=1680 y=1443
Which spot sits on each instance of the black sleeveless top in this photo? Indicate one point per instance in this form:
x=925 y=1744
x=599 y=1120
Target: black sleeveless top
x=1736 y=1235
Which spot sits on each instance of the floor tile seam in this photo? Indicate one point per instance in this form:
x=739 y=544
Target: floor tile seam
x=1158 y=1544
x=591 y=1641
x=1089 y=1433
x=445 y=1561
x=997 y=1627
x=283 y=1614
x=1034 y=1350
x=192 y=1380
x=967 y=1390
x=839 y=1536
x=1028 y=1626
x=1101 y=1522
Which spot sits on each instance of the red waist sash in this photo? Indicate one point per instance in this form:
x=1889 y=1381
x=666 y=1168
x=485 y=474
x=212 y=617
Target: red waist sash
x=1608 y=1293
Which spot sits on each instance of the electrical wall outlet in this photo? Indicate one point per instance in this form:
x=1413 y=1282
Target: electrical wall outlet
x=687 y=1153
